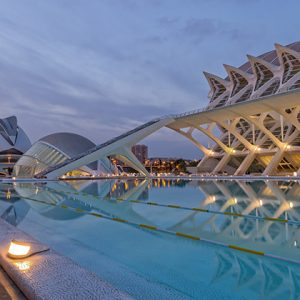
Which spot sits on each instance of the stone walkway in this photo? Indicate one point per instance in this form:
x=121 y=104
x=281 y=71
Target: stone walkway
x=49 y=275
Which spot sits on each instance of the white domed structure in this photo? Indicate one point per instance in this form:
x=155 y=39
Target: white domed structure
x=54 y=149
x=13 y=143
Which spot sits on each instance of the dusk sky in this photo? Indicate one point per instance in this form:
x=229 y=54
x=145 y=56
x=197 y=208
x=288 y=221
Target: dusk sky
x=100 y=68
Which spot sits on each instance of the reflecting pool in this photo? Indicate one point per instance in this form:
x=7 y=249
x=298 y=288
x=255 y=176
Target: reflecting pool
x=175 y=239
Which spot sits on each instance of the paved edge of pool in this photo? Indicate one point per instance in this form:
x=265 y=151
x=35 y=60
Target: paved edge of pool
x=169 y=177
x=49 y=275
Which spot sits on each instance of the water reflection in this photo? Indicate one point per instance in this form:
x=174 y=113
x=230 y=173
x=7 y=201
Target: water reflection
x=272 y=280
x=117 y=198
x=278 y=200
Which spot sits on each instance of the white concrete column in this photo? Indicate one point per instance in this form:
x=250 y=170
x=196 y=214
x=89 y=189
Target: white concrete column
x=130 y=159
x=274 y=162
x=242 y=169
x=223 y=162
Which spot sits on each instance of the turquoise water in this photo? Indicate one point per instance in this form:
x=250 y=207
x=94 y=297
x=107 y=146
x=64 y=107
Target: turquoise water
x=149 y=264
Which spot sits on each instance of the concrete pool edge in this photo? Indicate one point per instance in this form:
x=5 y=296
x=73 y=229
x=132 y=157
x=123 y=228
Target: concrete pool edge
x=49 y=275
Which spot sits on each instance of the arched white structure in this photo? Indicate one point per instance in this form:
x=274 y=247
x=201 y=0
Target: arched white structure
x=256 y=110
x=55 y=149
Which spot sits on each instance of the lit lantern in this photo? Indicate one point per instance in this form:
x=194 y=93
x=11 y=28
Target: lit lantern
x=18 y=249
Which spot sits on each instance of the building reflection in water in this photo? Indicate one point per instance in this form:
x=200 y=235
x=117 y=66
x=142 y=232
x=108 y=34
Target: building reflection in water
x=258 y=198
x=268 y=278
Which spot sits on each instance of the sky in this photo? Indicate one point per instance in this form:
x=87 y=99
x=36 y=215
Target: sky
x=101 y=67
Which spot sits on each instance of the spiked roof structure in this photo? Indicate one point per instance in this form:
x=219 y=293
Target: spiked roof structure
x=273 y=72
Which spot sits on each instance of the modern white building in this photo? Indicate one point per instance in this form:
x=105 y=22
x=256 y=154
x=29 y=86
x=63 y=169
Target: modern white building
x=260 y=133
x=13 y=143
x=54 y=149
x=252 y=122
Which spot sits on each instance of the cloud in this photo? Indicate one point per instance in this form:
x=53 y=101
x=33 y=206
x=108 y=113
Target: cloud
x=200 y=28
x=100 y=68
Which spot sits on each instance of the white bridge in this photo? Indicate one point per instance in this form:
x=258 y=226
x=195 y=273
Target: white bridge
x=252 y=121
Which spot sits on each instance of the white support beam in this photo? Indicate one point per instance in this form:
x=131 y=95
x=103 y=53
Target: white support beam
x=232 y=130
x=126 y=155
x=248 y=160
x=222 y=163
x=111 y=147
x=258 y=122
x=189 y=136
x=274 y=163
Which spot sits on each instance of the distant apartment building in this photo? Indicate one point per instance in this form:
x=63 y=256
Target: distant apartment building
x=141 y=152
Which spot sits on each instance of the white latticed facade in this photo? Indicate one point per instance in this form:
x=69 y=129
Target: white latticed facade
x=267 y=141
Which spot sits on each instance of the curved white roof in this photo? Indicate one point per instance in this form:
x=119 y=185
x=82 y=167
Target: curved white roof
x=70 y=144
